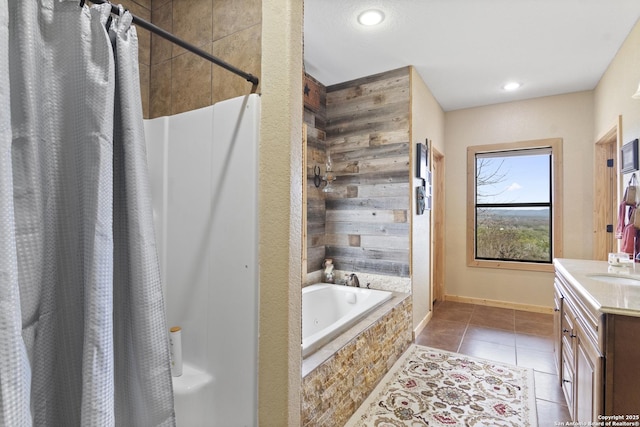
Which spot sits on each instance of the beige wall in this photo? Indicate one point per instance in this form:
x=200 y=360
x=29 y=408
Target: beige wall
x=280 y=204
x=613 y=94
x=427 y=121
x=580 y=119
x=427 y=117
x=569 y=117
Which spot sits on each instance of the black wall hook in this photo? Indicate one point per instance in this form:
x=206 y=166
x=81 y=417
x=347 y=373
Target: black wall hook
x=316 y=176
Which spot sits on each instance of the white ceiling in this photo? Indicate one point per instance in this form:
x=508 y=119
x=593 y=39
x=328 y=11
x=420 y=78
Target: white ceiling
x=465 y=50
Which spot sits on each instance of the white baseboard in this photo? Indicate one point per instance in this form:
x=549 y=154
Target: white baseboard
x=422 y=324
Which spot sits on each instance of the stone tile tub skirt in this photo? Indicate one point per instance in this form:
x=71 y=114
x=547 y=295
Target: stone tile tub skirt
x=339 y=376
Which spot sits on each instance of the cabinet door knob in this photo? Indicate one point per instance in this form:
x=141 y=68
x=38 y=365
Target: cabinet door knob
x=572 y=336
x=565 y=330
x=556 y=309
x=565 y=381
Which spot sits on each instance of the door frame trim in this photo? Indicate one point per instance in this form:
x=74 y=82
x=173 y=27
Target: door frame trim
x=603 y=189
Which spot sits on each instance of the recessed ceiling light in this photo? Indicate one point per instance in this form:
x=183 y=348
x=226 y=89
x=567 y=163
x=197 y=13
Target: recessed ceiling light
x=511 y=86
x=371 y=17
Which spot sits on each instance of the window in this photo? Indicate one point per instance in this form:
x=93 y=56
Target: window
x=514 y=210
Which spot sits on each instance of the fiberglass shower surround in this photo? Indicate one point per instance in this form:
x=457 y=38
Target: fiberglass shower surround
x=203 y=172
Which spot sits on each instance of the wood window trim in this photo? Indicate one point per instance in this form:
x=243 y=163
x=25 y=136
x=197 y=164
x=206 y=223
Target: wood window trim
x=556 y=198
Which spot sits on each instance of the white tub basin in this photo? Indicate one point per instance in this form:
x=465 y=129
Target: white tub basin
x=328 y=310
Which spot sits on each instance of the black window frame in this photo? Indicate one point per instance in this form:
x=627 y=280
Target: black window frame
x=548 y=204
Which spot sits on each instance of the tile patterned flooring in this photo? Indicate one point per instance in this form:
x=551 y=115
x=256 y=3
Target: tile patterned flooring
x=504 y=335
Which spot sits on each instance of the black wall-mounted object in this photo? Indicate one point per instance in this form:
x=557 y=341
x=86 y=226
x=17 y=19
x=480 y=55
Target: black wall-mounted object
x=317 y=179
x=422 y=162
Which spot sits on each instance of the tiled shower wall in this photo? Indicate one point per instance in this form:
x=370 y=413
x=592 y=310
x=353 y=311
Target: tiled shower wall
x=142 y=9
x=173 y=80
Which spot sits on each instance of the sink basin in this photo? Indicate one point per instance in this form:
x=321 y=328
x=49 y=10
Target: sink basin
x=616 y=279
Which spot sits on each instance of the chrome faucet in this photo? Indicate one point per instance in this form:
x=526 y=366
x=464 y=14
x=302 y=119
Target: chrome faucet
x=352 y=280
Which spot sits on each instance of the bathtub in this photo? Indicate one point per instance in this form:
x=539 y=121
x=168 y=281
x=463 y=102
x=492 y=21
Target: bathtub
x=329 y=310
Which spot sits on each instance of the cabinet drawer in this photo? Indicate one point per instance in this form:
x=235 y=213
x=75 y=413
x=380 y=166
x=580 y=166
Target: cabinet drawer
x=557 y=292
x=567 y=327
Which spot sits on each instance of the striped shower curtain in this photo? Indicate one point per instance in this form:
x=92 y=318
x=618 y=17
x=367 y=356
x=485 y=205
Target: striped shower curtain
x=82 y=329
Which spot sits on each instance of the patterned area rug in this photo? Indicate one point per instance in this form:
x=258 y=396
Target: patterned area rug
x=430 y=387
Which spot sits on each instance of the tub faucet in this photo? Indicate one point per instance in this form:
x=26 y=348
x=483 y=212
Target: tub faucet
x=352 y=280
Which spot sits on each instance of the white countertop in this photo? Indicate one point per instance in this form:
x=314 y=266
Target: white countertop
x=613 y=298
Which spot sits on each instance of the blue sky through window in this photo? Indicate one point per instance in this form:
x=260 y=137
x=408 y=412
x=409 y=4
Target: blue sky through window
x=514 y=179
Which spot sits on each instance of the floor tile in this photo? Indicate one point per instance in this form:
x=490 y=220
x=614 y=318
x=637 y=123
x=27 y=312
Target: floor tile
x=488 y=350
x=496 y=336
x=438 y=325
x=534 y=342
x=493 y=317
x=439 y=340
x=542 y=361
x=442 y=334
x=548 y=387
x=531 y=315
x=533 y=323
x=552 y=414
x=455 y=314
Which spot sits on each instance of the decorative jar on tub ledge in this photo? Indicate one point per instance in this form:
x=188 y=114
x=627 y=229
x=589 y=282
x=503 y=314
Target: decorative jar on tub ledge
x=327 y=276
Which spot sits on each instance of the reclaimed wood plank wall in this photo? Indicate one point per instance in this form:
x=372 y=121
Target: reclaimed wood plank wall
x=315 y=101
x=367 y=136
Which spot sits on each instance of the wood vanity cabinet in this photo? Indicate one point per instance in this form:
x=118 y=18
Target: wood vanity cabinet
x=597 y=356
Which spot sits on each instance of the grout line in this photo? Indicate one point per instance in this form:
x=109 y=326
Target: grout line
x=465 y=330
x=551 y=401
x=462 y=337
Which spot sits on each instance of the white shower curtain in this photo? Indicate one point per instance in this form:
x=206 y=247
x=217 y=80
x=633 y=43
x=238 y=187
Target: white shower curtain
x=82 y=329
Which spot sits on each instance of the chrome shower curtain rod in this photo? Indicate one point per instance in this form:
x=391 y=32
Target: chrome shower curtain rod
x=173 y=39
